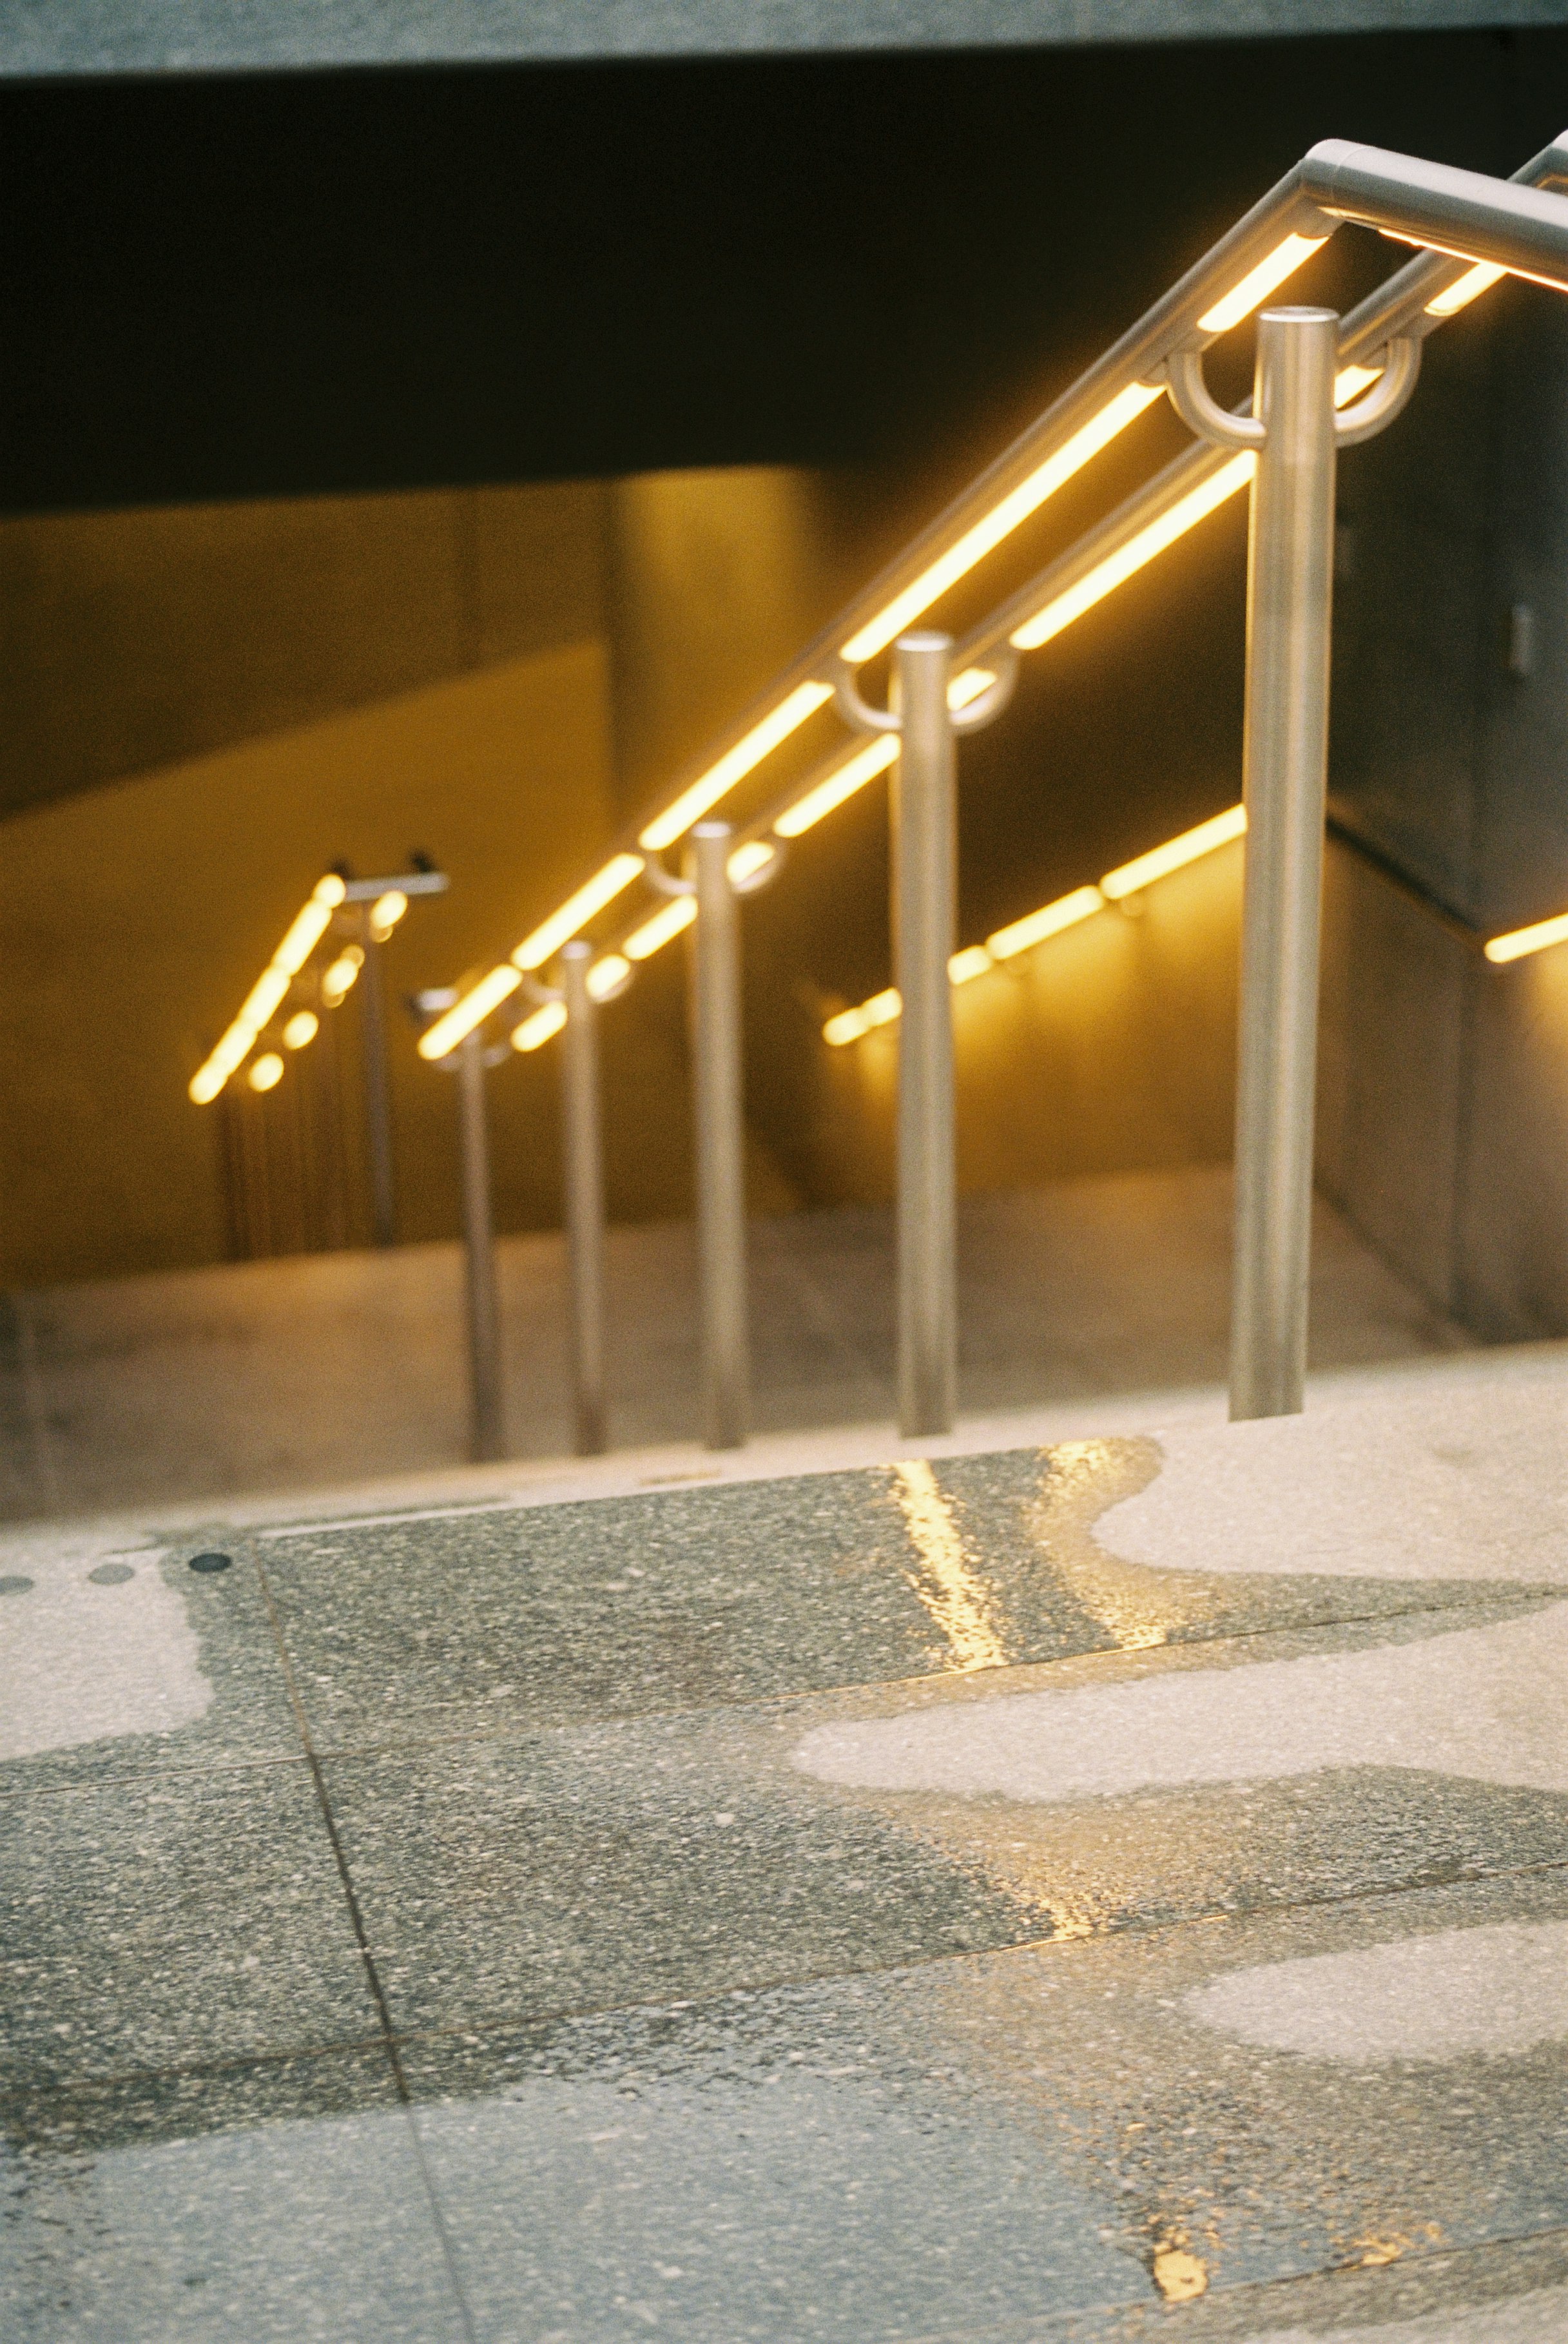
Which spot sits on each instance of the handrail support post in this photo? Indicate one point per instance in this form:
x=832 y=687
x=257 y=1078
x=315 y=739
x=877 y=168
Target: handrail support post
x=488 y=1430
x=718 y=1100
x=583 y=1152
x=924 y=911
x=1290 y=593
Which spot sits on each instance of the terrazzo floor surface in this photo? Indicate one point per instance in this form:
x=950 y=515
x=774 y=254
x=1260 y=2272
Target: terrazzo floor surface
x=1114 y=1889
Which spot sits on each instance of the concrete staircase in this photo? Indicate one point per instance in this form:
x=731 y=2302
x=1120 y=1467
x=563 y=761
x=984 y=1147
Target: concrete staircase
x=319 y=1372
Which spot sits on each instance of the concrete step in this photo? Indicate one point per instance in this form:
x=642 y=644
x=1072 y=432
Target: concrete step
x=1001 y=1896
x=314 y=1371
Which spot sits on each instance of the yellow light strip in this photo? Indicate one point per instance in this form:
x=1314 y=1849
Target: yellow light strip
x=1036 y=926
x=1521 y=941
x=735 y=765
x=386 y=912
x=302 y=1028
x=305 y=931
x=606 y=974
x=536 y=1030
x=1081 y=904
x=748 y=860
x=1451 y=252
x=267 y=1072
x=1000 y=521
x=1146 y=868
x=676 y=915
x=1465 y=289
x=1259 y=282
x=1119 y=566
x=576 y=912
x=969 y=686
x=442 y=1039
x=852 y=775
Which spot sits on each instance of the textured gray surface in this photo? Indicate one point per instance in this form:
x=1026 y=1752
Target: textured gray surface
x=54 y=37
x=681 y=2010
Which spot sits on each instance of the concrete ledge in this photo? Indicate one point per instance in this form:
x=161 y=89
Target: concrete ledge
x=56 y=38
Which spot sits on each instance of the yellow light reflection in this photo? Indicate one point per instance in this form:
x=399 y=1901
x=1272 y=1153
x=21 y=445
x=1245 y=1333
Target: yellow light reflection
x=952 y=1591
x=1203 y=840
x=843 y=783
x=266 y=1072
x=301 y=1028
x=734 y=766
x=1118 y=567
x=575 y=912
x=443 y=1037
x=1259 y=282
x=1521 y=941
x=538 y=1029
x=677 y=914
x=1004 y=518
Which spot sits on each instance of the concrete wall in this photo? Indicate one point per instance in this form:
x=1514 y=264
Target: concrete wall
x=1108 y=1049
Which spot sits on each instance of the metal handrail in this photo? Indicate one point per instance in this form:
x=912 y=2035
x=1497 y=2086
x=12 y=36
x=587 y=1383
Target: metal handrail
x=1308 y=402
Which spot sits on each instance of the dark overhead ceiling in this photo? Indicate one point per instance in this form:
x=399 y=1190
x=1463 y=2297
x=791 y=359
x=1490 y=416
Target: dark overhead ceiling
x=231 y=287
x=117 y=37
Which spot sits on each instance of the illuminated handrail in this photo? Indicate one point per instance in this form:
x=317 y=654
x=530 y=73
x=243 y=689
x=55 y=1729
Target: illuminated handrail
x=1474 y=228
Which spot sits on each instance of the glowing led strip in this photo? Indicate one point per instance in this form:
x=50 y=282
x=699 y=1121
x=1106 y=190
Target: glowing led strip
x=1053 y=918
x=982 y=537
x=306 y=930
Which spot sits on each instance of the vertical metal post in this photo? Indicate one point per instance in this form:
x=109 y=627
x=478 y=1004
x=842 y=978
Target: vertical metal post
x=715 y=1001
x=378 y=1089
x=925 y=875
x=484 y=1311
x=583 y=1164
x=1288 y=622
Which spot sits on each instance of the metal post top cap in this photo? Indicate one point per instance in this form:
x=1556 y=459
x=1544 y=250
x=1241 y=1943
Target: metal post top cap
x=1289 y=316
x=577 y=950
x=924 y=640
x=711 y=830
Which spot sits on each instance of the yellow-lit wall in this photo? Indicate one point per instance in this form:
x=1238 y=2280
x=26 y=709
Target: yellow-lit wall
x=1110 y=1047
x=134 y=919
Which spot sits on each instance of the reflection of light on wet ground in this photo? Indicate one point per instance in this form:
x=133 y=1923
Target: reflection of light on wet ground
x=1501 y=1989
x=1138 y=1607
x=956 y=1597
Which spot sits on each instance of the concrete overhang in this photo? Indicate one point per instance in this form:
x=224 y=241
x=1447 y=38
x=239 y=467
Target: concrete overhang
x=74 y=38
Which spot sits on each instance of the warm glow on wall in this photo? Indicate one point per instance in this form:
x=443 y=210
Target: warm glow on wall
x=1067 y=912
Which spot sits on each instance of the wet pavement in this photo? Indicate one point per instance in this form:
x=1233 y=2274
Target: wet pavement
x=1112 y=1890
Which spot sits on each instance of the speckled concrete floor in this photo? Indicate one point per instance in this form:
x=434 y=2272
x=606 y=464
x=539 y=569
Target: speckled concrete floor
x=1111 y=1890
